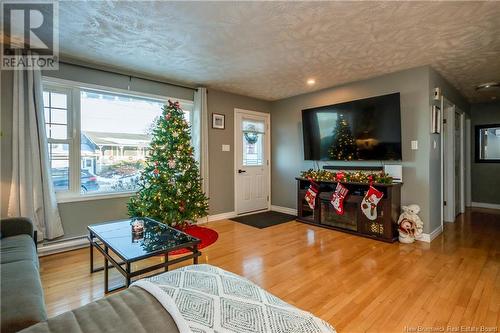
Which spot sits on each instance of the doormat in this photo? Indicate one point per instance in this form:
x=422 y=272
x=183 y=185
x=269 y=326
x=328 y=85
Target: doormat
x=264 y=219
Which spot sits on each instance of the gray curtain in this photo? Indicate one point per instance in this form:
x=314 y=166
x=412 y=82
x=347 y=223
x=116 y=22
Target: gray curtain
x=31 y=193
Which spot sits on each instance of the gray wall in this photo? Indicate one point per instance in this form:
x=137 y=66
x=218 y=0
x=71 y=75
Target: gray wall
x=485 y=176
x=221 y=164
x=415 y=88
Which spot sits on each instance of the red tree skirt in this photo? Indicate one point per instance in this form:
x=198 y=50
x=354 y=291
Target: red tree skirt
x=206 y=235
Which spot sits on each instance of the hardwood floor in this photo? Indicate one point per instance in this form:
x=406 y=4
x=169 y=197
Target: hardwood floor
x=356 y=284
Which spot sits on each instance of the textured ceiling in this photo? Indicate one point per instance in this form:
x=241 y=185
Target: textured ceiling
x=269 y=49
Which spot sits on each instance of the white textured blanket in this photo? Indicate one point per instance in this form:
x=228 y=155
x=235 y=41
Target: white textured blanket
x=204 y=298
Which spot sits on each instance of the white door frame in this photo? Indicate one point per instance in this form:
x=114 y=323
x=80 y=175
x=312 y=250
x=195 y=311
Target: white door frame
x=267 y=154
x=462 y=160
x=468 y=161
x=448 y=213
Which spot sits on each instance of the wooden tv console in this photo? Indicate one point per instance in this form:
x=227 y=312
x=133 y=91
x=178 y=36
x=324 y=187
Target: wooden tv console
x=353 y=221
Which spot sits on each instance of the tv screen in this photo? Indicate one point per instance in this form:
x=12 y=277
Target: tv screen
x=361 y=130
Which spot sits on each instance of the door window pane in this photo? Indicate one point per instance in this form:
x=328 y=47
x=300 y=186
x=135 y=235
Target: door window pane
x=253 y=125
x=253 y=142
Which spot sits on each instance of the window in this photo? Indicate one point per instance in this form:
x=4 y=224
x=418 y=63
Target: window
x=98 y=140
x=57 y=126
x=253 y=142
x=488 y=143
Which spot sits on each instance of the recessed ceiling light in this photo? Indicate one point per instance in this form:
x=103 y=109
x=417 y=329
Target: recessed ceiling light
x=311 y=82
x=487 y=85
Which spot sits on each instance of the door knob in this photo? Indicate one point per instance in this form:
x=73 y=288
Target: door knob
x=241 y=171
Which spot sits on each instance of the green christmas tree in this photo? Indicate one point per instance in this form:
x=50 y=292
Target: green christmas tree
x=343 y=146
x=170 y=185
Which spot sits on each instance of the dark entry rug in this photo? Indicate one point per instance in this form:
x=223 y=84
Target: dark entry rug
x=265 y=219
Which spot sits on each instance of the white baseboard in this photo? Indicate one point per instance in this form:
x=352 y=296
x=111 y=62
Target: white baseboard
x=485 y=205
x=217 y=217
x=230 y=215
x=430 y=237
x=285 y=210
x=63 y=246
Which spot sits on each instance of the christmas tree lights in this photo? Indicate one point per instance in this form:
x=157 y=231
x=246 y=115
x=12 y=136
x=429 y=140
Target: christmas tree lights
x=170 y=185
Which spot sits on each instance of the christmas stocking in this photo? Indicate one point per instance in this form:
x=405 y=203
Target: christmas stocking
x=338 y=197
x=310 y=196
x=370 y=202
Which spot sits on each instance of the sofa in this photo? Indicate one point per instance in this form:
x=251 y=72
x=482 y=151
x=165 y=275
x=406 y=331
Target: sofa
x=193 y=298
x=22 y=302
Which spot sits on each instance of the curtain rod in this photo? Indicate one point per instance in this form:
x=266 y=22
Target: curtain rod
x=117 y=72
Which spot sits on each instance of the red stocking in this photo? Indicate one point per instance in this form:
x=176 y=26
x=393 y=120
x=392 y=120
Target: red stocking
x=370 y=202
x=337 y=199
x=311 y=195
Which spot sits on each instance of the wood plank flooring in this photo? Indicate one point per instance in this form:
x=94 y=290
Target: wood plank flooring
x=356 y=284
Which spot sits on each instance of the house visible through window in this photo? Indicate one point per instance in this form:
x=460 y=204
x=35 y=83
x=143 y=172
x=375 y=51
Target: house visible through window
x=98 y=143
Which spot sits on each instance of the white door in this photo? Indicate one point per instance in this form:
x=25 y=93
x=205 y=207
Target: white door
x=449 y=161
x=453 y=162
x=252 y=145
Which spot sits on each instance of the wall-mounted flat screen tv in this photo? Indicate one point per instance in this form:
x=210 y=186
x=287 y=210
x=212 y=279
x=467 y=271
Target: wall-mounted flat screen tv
x=363 y=130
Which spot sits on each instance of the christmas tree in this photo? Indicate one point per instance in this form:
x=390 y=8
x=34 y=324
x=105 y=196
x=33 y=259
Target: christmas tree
x=343 y=146
x=170 y=185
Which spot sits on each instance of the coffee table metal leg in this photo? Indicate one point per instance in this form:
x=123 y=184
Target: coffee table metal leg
x=166 y=261
x=91 y=247
x=195 y=251
x=127 y=283
x=106 y=271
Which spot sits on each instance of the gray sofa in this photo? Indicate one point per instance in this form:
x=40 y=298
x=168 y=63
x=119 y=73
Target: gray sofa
x=22 y=302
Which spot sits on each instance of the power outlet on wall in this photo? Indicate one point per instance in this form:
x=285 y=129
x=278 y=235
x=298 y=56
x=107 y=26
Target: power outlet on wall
x=226 y=148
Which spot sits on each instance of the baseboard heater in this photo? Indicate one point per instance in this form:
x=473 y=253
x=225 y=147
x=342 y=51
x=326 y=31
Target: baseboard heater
x=63 y=245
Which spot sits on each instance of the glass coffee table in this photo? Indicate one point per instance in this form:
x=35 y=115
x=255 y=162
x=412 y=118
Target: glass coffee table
x=156 y=239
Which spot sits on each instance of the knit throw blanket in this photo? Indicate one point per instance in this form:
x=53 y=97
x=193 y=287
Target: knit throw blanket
x=204 y=298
